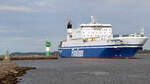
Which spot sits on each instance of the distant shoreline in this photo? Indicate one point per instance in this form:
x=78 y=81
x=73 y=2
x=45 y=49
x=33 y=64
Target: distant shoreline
x=143 y=52
x=56 y=53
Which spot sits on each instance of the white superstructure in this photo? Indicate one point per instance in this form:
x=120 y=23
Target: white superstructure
x=93 y=30
x=101 y=34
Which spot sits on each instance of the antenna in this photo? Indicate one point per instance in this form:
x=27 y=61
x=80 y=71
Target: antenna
x=69 y=19
x=142 y=31
x=93 y=20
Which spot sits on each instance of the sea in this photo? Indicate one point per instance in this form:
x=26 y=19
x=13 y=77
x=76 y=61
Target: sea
x=87 y=71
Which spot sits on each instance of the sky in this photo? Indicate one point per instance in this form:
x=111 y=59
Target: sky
x=25 y=25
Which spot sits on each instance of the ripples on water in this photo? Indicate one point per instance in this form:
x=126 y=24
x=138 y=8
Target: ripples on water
x=88 y=71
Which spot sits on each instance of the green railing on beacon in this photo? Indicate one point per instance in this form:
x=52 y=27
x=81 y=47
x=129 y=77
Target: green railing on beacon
x=48 y=44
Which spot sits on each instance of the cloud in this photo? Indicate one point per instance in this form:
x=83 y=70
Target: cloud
x=42 y=3
x=51 y=5
x=9 y=29
x=20 y=38
x=15 y=8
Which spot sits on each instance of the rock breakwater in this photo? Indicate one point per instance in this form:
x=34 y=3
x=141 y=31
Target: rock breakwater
x=9 y=71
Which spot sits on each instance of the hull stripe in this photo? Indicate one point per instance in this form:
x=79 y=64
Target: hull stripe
x=104 y=57
x=104 y=46
x=100 y=47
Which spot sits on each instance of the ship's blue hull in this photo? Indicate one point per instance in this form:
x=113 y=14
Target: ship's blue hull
x=93 y=52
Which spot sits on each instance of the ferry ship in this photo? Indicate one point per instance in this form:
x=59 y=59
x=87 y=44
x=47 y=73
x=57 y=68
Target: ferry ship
x=95 y=40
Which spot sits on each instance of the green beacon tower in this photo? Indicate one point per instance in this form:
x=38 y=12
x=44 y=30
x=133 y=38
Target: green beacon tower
x=48 y=44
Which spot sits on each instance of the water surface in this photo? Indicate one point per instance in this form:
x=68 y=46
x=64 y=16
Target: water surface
x=88 y=71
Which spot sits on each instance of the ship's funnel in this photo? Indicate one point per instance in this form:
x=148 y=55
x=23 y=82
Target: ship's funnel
x=69 y=25
x=69 y=29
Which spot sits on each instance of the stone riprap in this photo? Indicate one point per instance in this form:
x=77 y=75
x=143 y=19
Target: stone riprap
x=9 y=71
